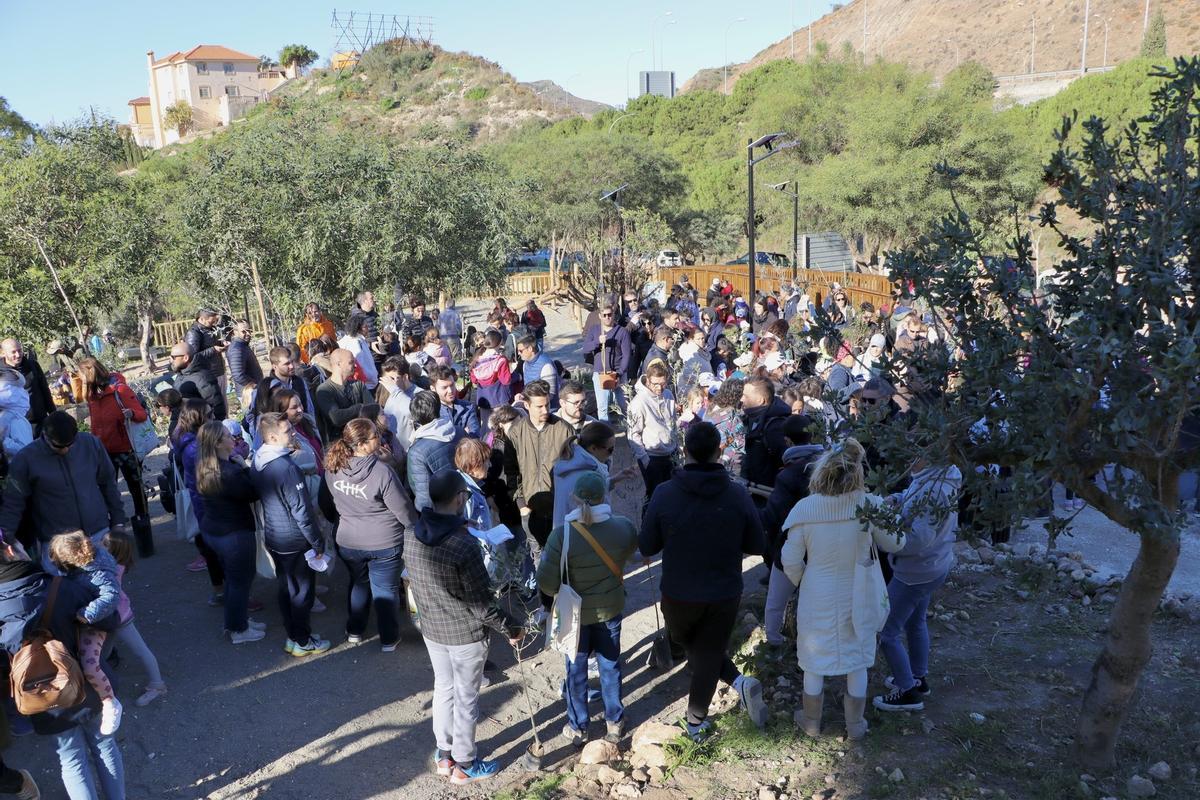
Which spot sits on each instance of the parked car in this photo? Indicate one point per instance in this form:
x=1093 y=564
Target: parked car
x=669 y=258
x=761 y=258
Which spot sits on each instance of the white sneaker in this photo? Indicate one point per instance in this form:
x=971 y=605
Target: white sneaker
x=110 y=716
x=256 y=625
x=251 y=634
x=152 y=693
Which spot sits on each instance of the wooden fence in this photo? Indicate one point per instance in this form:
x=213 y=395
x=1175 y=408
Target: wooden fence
x=859 y=287
x=168 y=333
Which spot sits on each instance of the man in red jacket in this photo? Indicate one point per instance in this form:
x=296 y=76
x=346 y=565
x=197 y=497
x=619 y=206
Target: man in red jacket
x=535 y=320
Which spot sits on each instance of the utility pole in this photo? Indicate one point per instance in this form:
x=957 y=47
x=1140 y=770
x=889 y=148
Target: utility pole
x=1146 y=18
x=752 y=257
x=1087 y=15
x=864 y=2
x=1106 y=43
x=810 y=38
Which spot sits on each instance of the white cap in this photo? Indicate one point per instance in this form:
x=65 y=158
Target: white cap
x=775 y=360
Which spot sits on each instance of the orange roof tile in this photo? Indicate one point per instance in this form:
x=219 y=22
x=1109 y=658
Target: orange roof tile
x=140 y=101
x=207 y=52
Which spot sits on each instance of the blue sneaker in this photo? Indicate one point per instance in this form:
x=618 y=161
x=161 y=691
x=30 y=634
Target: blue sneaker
x=477 y=771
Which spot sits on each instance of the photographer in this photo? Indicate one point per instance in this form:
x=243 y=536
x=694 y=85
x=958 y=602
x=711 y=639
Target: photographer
x=208 y=346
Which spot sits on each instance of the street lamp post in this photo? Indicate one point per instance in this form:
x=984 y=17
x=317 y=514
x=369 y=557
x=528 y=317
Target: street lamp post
x=1087 y=13
x=628 y=60
x=615 y=197
x=772 y=144
x=782 y=187
x=618 y=119
x=654 y=22
x=662 y=45
x=727 y=27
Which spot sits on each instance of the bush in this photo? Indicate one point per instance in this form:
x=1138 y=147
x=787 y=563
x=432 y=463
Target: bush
x=476 y=93
x=387 y=104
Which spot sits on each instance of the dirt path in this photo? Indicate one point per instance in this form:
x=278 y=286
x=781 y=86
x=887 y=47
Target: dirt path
x=250 y=721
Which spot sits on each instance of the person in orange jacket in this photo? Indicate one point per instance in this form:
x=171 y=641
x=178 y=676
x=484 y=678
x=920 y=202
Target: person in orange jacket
x=315 y=326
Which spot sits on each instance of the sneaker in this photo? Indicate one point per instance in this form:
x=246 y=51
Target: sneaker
x=576 y=737
x=312 y=647
x=922 y=687
x=251 y=634
x=318 y=607
x=197 y=564
x=152 y=693
x=216 y=599
x=614 y=731
x=110 y=716
x=258 y=626
x=391 y=648
x=443 y=764
x=899 y=701
x=254 y=605
x=289 y=646
x=29 y=788
x=353 y=638
x=698 y=733
x=477 y=771
x=750 y=695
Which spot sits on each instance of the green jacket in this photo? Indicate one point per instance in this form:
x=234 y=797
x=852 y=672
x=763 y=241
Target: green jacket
x=603 y=595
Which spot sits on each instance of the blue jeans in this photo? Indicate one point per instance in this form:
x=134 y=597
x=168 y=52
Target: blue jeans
x=909 y=604
x=374 y=580
x=236 y=552
x=605 y=396
x=603 y=639
x=81 y=748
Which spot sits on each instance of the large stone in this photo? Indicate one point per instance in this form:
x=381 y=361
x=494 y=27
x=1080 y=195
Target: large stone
x=651 y=756
x=986 y=554
x=1160 y=771
x=654 y=733
x=970 y=556
x=599 y=752
x=766 y=793
x=625 y=790
x=607 y=775
x=1140 y=787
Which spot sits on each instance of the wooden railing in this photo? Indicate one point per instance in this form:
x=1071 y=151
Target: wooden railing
x=859 y=287
x=168 y=333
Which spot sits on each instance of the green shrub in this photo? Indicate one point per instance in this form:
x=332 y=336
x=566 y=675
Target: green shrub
x=476 y=93
x=387 y=104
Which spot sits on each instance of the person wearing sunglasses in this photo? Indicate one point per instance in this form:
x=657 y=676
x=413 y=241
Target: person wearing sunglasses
x=608 y=343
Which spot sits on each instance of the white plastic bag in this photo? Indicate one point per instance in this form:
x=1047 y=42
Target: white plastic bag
x=566 y=614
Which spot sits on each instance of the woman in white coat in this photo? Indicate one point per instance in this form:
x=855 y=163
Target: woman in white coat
x=824 y=528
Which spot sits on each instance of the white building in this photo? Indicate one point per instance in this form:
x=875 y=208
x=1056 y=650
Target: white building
x=219 y=84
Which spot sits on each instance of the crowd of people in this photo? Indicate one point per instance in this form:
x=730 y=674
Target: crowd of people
x=456 y=474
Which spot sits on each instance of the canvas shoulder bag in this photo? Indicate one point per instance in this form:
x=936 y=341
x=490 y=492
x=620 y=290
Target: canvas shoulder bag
x=870 y=605
x=567 y=611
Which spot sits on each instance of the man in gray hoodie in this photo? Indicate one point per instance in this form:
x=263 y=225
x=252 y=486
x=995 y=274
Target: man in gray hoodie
x=652 y=426
x=928 y=510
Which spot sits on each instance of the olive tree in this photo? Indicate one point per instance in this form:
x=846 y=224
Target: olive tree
x=1093 y=385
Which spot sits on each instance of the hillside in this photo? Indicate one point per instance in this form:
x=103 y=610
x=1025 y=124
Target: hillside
x=408 y=89
x=936 y=35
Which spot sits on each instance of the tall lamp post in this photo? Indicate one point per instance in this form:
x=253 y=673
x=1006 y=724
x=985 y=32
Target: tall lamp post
x=782 y=187
x=653 y=44
x=773 y=145
x=727 y=27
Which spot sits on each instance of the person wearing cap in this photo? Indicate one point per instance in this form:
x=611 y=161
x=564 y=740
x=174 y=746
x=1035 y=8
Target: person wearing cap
x=66 y=481
x=840 y=380
x=713 y=294
x=454 y=598
x=597 y=544
x=779 y=368
x=41 y=402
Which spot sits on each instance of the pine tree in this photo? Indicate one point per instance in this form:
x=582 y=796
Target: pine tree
x=1154 y=41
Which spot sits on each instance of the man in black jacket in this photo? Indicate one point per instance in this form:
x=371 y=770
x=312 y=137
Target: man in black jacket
x=416 y=325
x=208 y=350
x=41 y=402
x=341 y=398
x=456 y=605
x=195 y=381
x=704 y=524
x=764 y=416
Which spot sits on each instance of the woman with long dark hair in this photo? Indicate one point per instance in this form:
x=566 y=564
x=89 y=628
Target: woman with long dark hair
x=227 y=525
x=112 y=405
x=185 y=451
x=374 y=509
x=311 y=456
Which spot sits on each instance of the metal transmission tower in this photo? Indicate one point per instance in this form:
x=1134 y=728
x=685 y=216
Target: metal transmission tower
x=356 y=32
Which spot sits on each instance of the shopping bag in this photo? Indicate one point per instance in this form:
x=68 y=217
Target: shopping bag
x=187 y=528
x=567 y=612
x=870 y=605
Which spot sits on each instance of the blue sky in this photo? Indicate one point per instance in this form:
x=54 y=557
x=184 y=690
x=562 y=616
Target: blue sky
x=58 y=57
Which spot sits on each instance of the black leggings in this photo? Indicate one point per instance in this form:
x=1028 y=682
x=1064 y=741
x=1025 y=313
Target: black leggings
x=703 y=629
x=216 y=575
x=129 y=466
